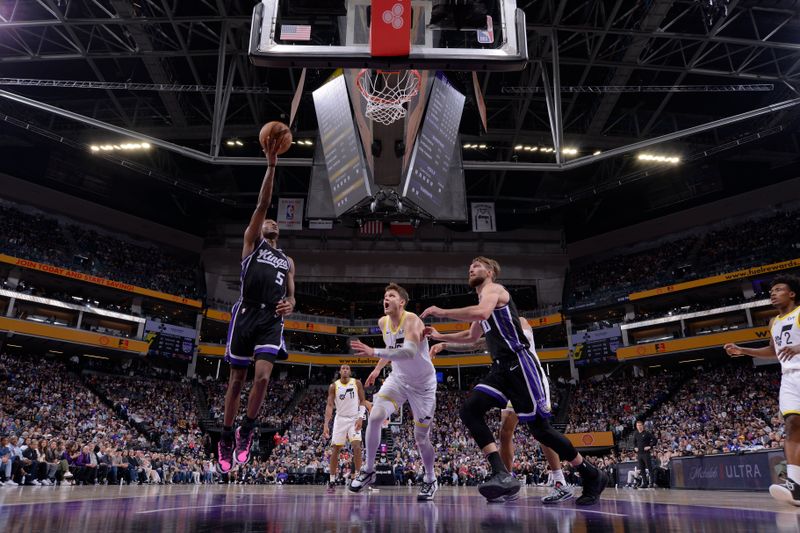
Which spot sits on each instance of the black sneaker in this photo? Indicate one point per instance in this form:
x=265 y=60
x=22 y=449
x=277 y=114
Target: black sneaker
x=501 y=484
x=427 y=490
x=363 y=479
x=592 y=488
x=331 y=486
x=788 y=492
x=559 y=493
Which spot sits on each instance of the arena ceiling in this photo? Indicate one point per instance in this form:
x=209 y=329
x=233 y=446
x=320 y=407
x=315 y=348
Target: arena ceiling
x=178 y=70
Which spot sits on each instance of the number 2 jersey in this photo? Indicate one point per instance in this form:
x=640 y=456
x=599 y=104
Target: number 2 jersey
x=786 y=332
x=264 y=274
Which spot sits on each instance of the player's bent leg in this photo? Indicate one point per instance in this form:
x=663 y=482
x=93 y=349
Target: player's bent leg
x=473 y=413
x=789 y=491
x=382 y=408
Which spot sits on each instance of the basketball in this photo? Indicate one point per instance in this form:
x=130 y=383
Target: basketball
x=278 y=131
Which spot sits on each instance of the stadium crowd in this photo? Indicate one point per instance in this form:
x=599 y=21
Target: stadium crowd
x=48 y=240
x=58 y=426
x=740 y=244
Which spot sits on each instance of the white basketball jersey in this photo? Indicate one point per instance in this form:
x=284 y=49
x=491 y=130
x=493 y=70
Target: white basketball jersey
x=415 y=371
x=346 y=398
x=786 y=332
x=529 y=335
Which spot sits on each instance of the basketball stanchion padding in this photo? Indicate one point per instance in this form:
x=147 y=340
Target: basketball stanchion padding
x=390 y=28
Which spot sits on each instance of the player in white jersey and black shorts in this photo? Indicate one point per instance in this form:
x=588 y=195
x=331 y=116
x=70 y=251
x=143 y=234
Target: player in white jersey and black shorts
x=509 y=420
x=346 y=394
x=412 y=380
x=516 y=376
x=784 y=342
x=256 y=328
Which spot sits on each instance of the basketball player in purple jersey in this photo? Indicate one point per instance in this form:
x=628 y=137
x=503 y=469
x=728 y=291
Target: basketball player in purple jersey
x=256 y=328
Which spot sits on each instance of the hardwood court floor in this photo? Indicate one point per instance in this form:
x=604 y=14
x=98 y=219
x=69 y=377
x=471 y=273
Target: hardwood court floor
x=287 y=509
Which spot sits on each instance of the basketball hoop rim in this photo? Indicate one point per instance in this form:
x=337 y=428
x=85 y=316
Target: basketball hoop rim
x=384 y=101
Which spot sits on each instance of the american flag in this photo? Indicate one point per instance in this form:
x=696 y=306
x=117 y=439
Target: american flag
x=371 y=227
x=295 y=32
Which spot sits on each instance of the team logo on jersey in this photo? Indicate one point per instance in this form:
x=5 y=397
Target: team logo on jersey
x=267 y=257
x=348 y=392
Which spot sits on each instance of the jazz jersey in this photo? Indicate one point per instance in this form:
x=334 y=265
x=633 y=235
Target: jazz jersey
x=786 y=332
x=418 y=370
x=264 y=274
x=346 y=399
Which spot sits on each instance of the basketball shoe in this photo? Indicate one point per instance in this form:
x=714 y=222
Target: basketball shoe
x=244 y=439
x=788 y=492
x=559 y=493
x=501 y=484
x=225 y=456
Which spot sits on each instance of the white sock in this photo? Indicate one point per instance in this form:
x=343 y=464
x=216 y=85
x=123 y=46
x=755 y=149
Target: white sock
x=333 y=478
x=558 y=476
x=793 y=472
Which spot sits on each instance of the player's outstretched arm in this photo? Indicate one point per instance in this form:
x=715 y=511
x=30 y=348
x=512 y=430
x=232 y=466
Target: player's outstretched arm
x=767 y=352
x=489 y=298
x=468 y=336
x=253 y=232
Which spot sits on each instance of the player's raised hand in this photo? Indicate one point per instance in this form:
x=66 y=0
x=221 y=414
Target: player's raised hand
x=370 y=381
x=436 y=348
x=361 y=349
x=271 y=151
x=431 y=311
x=787 y=352
x=733 y=349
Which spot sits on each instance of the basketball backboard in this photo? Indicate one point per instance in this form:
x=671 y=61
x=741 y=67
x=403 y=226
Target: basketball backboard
x=340 y=37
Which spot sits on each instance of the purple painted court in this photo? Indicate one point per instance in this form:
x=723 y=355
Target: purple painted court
x=291 y=509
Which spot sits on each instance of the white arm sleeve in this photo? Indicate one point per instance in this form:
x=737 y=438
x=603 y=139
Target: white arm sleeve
x=407 y=351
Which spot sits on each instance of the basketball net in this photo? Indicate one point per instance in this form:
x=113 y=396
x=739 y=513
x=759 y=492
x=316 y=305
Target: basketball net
x=387 y=92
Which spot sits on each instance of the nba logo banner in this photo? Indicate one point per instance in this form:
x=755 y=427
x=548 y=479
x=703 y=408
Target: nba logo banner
x=483 y=219
x=290 y=214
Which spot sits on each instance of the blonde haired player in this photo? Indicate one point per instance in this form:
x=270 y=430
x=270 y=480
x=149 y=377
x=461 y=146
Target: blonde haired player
x=509 y=421
x=347 y=395
x=784 y=294
x=413 y=379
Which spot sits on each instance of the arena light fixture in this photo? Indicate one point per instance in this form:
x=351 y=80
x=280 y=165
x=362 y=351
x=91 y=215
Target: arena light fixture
x=13 y=345
x=658 y=158
x=122 y=147
x=55 y=351
x=597 y=152
x=569 y=151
